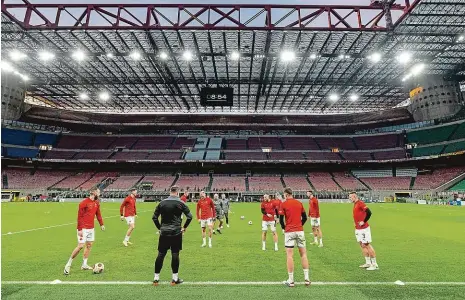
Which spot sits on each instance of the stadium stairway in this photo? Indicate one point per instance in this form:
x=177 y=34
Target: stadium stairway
x=209 y=186
x=310 y=183
x=361 y=182
x=355 y=144
x=4 y=181
x=282 y=182
x=247 y=183
x=332 y=177
x=450 y=183
x=412 y=182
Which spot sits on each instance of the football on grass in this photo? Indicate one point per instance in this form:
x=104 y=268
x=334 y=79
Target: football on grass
x=98 y=268
x=242 y=217
x=250 y=222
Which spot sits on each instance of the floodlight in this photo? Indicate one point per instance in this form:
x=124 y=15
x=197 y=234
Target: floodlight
x=235 y=55
x=375 y=57
x=79 y=55
x=353 y=97
x=313 y=56
x=334 y=97
x=461 y=38
x=6 y=66
x=110 y=55
x=187 y=55
x=341 y=56
x=163 y=55
x=83 y=96
x=104 y=96
x=404 y=57
x=45 y=55
x=15 y=55
x=24 y=77
x=287 y=56
x=135 y=55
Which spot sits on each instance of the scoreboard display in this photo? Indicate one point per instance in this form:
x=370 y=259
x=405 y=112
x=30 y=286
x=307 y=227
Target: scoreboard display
x=214 y=97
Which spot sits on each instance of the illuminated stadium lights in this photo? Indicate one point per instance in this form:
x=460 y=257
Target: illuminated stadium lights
x=163 y=55
x=110 y=55
x=333 y=97
x=461 y=38
x=16 y=55
x=375 y=57
x=341 y=56
x=235 y=55
x=6 y=66
x=406 y=77
x=187 y=55
x=313 y=56
x=287 y=56
x=45 y=55
x=24 y=77
x=404 y=57
x=79 y=55
x=83 y=96
x=353 y=97
x=104 y=96
x=417 y=69
x=135 y=55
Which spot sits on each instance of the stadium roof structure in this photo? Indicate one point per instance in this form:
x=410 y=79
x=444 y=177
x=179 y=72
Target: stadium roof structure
x=155 y=58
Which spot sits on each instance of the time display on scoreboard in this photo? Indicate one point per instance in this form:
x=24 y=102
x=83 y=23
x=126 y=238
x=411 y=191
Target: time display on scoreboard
x=222 y=96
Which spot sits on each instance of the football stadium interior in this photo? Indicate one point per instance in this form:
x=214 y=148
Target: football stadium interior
x=240 y=99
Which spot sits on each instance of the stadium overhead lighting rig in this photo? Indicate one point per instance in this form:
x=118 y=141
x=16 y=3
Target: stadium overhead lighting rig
x=187 y=55
x=287 y=56
x=404 y=57
x=46 y=56
x=104 y=96
x=375 y=57
x=15 y=55
x=333 y=97
x=135 y=55
x=235 y=55
x=163 y=55
x=79 y=55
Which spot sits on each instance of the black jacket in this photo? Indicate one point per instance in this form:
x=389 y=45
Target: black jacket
x=170 y=210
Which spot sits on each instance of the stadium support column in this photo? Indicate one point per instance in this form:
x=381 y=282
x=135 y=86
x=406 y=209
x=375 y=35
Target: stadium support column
x=13 y=92
x=434 y=98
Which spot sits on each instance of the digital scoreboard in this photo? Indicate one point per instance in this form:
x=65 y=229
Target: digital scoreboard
x=214 y=97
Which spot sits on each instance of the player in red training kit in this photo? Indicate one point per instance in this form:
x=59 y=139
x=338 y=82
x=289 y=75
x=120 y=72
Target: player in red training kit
x=89 y=208
x=184 y=197
x=363 y=233
x=314 y=214
x=268 y=220
x=294 y=213
x=206 y=213
x=130 y=214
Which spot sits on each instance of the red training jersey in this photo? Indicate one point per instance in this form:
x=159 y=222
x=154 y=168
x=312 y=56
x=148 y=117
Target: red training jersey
x=205 y=209
x=129 y=205
x=314 y=208
x=88 y=209
x=184 y=198
x=277 y=204
x=269 y=208
x=360 y=214
x=292 y=211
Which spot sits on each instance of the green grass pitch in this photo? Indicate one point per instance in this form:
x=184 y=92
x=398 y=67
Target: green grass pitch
x=414 y=243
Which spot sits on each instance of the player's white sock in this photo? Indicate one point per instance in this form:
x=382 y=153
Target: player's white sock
x=315 y=240
x=263 y=244
x=126 y=238
x=175 y=276
x=84 y=263
x=209 y=240
x=157 y=277
x=373 y=261
x=367 y=260
x=321 y=241
x=306 y=277
x=70 y=261
x=291 y=277
x=276 y=246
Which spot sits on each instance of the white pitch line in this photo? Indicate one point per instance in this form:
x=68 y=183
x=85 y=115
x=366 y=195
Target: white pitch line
x=60 y=225
x=330 y=283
